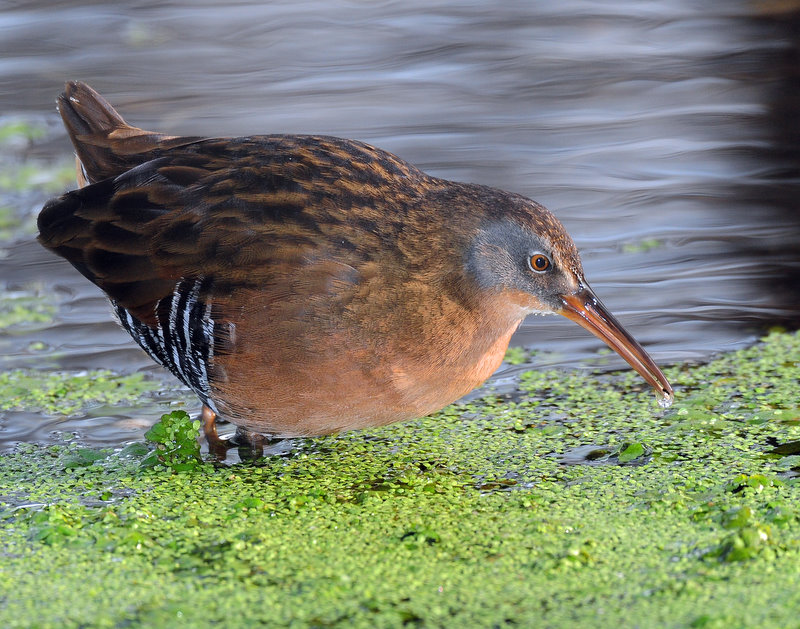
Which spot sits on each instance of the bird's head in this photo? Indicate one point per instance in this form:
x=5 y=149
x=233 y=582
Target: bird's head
x=525 y=254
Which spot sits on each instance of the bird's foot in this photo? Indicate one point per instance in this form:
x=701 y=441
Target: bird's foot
x=249 y=444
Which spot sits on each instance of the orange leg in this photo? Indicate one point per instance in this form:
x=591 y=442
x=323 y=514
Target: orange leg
x=250 y=444
x=216 y=446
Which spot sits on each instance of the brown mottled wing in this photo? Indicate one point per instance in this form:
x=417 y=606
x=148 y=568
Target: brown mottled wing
x=105 y=230
x=137 y=235
x=246 y=213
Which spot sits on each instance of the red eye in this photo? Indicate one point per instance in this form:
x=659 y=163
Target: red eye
x=539 y=262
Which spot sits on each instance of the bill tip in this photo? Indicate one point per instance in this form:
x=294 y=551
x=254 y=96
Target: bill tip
x=665 y=401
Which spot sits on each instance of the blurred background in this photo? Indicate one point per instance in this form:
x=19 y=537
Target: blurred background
x=662 y=133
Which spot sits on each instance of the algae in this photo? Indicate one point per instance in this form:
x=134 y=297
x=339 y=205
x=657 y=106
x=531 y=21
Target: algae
x=473 y=516
x=20 y=132
x=643 y=246
x=66 y=393
x=33 y=175
x=24 y=308
x=27 y=182
x=515 y=356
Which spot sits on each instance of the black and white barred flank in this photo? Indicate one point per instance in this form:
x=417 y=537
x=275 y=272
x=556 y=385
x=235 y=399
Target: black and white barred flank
x=183 y=341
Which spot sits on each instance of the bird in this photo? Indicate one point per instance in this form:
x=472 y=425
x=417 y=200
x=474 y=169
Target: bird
x=305 y=285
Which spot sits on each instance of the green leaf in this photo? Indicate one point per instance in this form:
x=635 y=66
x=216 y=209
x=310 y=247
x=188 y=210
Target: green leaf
x=83 y=457
x=631 y=452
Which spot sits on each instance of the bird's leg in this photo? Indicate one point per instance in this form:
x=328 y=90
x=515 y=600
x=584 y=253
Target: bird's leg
x=216 y=446
x=251 y=444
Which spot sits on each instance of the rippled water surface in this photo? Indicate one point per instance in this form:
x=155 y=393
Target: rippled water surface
x=663 y=134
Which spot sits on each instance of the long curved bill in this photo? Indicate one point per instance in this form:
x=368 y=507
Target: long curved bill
x=584 y=308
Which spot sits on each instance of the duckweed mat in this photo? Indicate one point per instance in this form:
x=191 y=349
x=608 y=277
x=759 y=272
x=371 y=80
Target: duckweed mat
x=576 y=502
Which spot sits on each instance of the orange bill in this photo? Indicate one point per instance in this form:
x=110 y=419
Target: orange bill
x=585 y=309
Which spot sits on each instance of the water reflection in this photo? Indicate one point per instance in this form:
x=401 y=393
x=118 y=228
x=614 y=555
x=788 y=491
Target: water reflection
x=663 y=134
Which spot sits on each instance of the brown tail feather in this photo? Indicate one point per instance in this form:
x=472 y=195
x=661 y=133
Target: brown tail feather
x=105 y=144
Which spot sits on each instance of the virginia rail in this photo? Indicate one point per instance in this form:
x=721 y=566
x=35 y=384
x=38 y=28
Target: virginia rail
x=305 y=285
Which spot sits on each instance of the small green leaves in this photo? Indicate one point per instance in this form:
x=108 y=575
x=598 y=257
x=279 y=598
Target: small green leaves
x=515 y=356
x=176 y=439
x=755 y=482
x=66 y=393
x=54 y=524
x=747 y=539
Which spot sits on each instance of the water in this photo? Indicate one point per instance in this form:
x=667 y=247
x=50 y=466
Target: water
x=663 y=134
